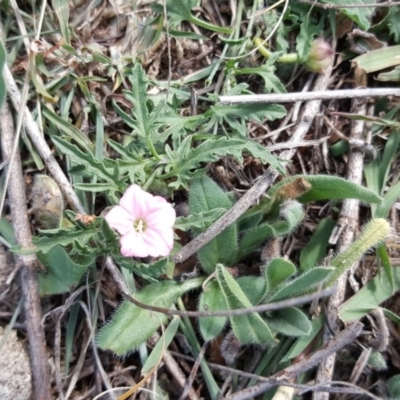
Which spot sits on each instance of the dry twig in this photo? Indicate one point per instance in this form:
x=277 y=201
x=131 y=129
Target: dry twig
x=348 y=221
x=309 y=96
x=30 y=289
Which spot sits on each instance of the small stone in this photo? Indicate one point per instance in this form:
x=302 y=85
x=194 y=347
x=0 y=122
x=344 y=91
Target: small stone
x=15 y=372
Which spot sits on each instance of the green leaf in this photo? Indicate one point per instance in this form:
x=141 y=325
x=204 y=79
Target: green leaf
x=277 y=271
x=394 y=386
x=384 y=260
x=360 y=15
x=327 y=187
x=185 y=162
x=375 y=292
x=305 y=283
x=142 y=123
x=253 y=238
x=62 y=274
x=3 y=88
x=248 y=112
x=62 y=237
x=315 y=249
x=289 y=321
x=309 y=29
x=91 y=164
x=272 y=84
x=199 y=220
x=251 y=328
x=290 y=216
x=180 y=10
x=379 y=59
x=391 y=315
x=150 y=272
x=162 y=344
x=389 y=76
x=95 y=187
x=69 y=129
x=374 y=233
x=206 y=195
x=131 y=325
x=303 y=342
x=392 y=23
x=254 y=287
x=212 y=300
x=262 y=153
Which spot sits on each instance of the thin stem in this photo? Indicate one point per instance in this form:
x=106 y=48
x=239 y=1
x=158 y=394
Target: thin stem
x=206 y=25
x=290 y=58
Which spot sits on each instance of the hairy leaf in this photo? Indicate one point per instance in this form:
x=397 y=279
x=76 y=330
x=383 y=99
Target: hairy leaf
x=62 y=274
x=326 y=187
x=205 y=195
x=289 y=321
x=316 y=247
x=212 y=300
x=304 y=283
x=277 y=271
x=131 y=325
x=374 y=233
x=251 y=328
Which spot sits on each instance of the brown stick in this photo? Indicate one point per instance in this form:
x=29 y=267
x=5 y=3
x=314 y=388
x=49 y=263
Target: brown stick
x=30 y=289
x=348 y=220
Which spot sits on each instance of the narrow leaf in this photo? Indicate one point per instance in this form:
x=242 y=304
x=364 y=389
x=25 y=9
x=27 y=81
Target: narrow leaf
x=315 y=249
x=374 y=293
x=304 y=283
x=69 y=129
x=249 y=329
x=162 y=344
x=212 y=299
x=327 y=187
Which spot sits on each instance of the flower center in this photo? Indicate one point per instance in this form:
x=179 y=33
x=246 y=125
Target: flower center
x=139 y=226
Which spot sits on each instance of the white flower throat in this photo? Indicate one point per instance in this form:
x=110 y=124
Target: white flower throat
x=139 y=226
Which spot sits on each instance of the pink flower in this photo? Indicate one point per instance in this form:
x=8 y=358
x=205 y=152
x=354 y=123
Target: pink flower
x=145 y=223
x=320 y=57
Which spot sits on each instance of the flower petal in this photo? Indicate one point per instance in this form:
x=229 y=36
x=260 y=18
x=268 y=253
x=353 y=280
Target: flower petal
x=133 y=245
x=158 y=244
x=136 y=201
x=120 y=220
x=164 y=216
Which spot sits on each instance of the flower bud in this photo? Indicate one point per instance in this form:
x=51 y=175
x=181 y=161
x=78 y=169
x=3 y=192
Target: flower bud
x=320 y=56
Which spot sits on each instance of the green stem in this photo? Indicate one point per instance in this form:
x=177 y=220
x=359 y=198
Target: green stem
x=150 y=180
x=290 y=58
x=238 y=22
x=210 y=27
x=152 y=149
